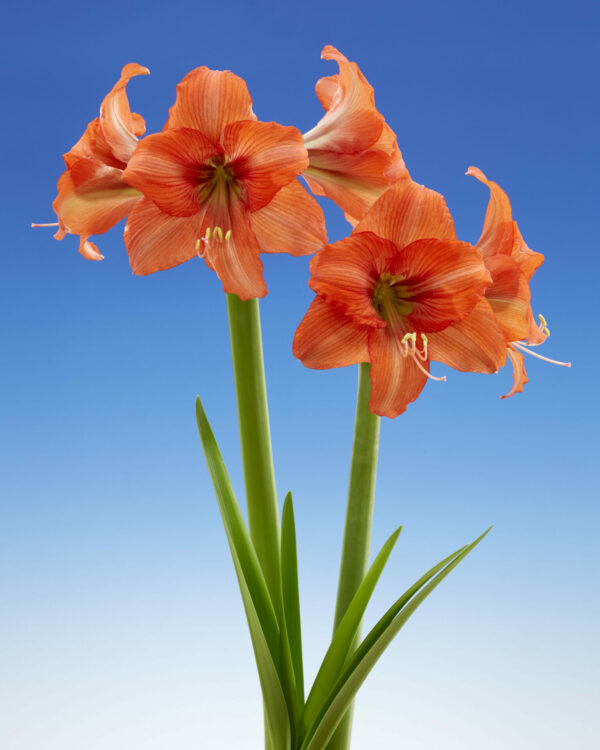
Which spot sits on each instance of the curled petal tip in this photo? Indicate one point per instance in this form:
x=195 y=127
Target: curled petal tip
x=134 y=69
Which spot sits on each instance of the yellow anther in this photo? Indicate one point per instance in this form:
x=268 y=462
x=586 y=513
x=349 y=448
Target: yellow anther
x=409 y=337
x=197 y=245
x=424 y=337
x=207 y=235
x=218 y=233
x=228 y=235
x=544 y=324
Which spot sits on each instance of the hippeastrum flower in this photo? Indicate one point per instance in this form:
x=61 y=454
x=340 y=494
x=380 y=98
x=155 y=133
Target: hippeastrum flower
x=353 y=154
x=511 y=264
x=92 y=194
x=394 y=294
x=220 y=184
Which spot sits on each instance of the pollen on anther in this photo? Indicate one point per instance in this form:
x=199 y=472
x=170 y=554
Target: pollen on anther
x=228 y=235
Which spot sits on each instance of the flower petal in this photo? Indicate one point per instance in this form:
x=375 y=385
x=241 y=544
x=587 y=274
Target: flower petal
x=265 y=156
x=327 y=338
x=509 y=297
x=119 y=125
x=89 y=250
x=92 y=198
x=156 y=241
x=346 y=274
x=93 y=144
x=497 y=236
x=292 y=222
x=352 y=122
x=444 y=280
x=396 y=380
x=165 y=168
x=407 y=212
x=209 y=100
x=234 y=253
x=528 y=260
x=519 y=373
x=475 y=344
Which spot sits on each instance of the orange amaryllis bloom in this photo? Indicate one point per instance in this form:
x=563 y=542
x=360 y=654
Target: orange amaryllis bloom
x=220 y=184
x=390 y=293
x=353 y=154
x=511 y=264
x=92 y=195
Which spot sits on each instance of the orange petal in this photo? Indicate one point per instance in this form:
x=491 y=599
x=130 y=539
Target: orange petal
x=327 y=338
x=519 y=374
x=509 y=297
x=93 y=144
x=444 y=280
x=235 y=253
x=497 y=236
x=396 y=380
x=352 y=122
x=346 y=274
x=528 y=260
x=119 y=125
x=475 y=344
x=353 y=181
x=208 y=101
x=407 y=212
x=92 y=198
x=156 y=241
x=89 y=250
x=292 y=222
x=165 y=168
x=265 y=156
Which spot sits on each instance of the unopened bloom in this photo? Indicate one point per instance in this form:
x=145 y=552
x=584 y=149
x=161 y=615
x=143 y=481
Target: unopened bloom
x=92 y=194
x=220 y=184
x=353 y=154
x=390 y=292
x=511 y=265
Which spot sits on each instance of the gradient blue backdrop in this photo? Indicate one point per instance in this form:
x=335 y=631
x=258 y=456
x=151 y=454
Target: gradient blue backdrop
x=122 y=626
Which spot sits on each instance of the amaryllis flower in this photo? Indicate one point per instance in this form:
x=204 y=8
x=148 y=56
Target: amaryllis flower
x=92 y=195
x=353 y=153
x=390 y=292
x=220 y=184
x=511 y=264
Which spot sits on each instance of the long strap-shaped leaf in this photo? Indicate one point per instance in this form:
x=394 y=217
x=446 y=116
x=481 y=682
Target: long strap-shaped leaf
x=262 y=622
x=343 y=638
x=366 y=656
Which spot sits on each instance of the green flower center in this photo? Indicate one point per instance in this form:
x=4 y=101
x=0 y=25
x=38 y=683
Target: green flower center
x=390 y=297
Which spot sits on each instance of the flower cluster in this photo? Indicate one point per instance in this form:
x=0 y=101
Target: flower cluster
x=400 y=292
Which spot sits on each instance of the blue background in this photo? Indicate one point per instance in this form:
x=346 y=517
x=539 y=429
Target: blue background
x=122 y=625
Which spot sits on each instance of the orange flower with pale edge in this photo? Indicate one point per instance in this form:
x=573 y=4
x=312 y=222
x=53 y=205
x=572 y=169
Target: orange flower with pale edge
x=353 y=154
x=92 y=195
x=400 y=291
x=220 y=184
x=511 y=264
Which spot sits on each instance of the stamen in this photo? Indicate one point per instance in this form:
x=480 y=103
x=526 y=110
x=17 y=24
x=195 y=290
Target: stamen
x=544 y=324
x=426 y=372
x=228 y=235
x=417 y=354
x=523 y=348
x=423 y=353
x=218 y=233
x=207 y=234
x=53 y=224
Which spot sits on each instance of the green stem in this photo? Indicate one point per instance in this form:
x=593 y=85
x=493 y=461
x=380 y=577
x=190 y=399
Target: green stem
x=359 y=517
x=255 y=438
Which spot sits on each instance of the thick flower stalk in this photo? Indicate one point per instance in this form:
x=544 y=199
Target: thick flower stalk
x=221 y=185
x=92 y=193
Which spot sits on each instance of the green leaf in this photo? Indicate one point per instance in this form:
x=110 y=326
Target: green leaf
x=344 y=636
x=262 y=622
x=291 y=595
x=366 y=656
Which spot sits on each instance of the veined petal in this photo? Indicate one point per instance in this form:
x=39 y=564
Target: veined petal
x=328 y=338
x=444 y=280
x=92 y=198
x=407 y=212
x=396 y=380
x=497 y=236
x=509 y=297
x=352 y=122
x=264 y=156
x=519 y=373
x=475 y=344
x=89 y=250
x=528 y=260
x=165 y=168
x=156 y=241
x=234 y=252
x=93 y=144
x=119 y=125
x=346 y=274
x=292 y=222
x=209 y=100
